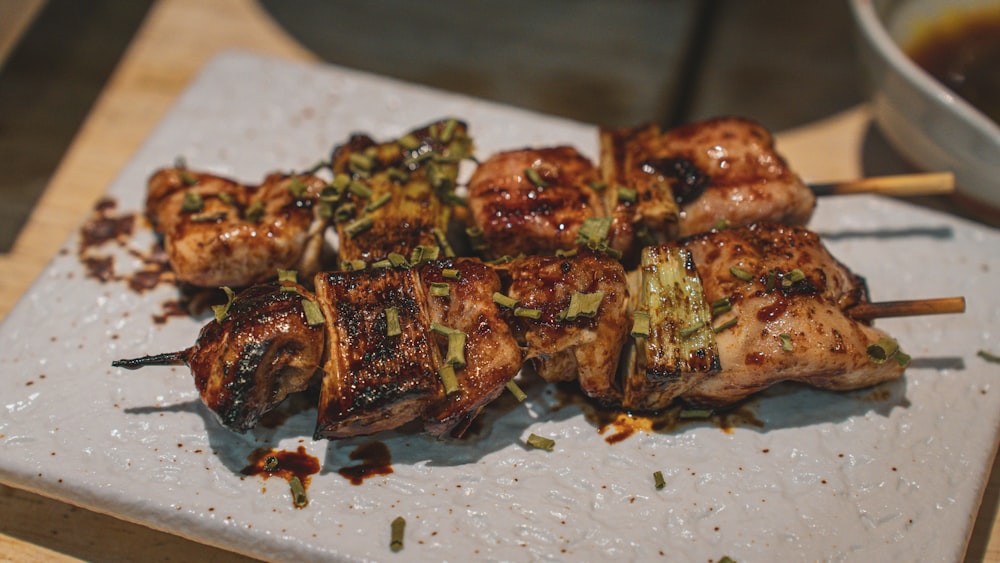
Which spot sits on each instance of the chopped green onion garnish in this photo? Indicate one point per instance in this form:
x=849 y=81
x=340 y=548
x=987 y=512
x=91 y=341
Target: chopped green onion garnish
x=360 y=190
x=192 y=202
x=541 y=442
x=423 y=253
x=187 y=178
x=378 y=202
x=689 y=330
x=397 y=260
x=504 y=300
x=437 y=178
x=885 y=349
x=658 y=481
x=740 y=273
x=344 y=212
x=208 y=217
x=720 y=306
x=786 y=342
x=450 y=274
x=255 y=212
x=535 y=178
x=447 y=375
x=359 y=163
x=456 y=349
x=288 y=275
x=721 y=225
x=527 y=313
x=227 y=198
x=340 y=182
x=314 y=316
x=222 y=311
x=569 y=253
x=730 y=323
x=640 y=324
x=410 y=142
x=594 y=230
x=396 y=539
x=447 y=131
x=992 y=358
x=598 y=185
x=442 y=241
x=627 y=195
x=299 y=498
x=383 y=263
x=361 y=225
x=516 y=391
x=792 y=277
x=440 y=289
x=352 y=265
x=392 y=327
x=583 y=305
x=398 y=175
x=296 y=187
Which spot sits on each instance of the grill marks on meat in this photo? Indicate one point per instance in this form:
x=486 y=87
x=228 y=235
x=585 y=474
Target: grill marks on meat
x=219 y=232
x=828 y=347
x=519 y=214
x=263 y=350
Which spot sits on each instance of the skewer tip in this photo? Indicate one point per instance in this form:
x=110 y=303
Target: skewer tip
x=165 y=359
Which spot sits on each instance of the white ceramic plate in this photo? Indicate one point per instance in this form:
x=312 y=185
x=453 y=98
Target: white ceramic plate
x=894 y=473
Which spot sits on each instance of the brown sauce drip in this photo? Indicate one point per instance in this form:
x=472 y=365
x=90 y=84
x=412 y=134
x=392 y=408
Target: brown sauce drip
x=268 y=463
x=375 y=460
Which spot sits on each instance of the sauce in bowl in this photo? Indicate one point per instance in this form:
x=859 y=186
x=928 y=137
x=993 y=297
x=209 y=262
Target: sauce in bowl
x=962 y=51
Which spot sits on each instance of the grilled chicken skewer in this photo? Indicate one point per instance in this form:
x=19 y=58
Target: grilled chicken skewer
x=728 y=313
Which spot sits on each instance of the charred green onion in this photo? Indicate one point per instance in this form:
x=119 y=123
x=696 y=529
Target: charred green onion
x=658 y=481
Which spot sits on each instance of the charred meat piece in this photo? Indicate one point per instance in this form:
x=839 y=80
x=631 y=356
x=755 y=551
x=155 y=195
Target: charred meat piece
x=791 y=301
x=460 y=298
x=570 y=312
x=396 y=196
x=264 y=347
x=722 y=171
x=533 y=201
x=382 y=361
x=218 y=232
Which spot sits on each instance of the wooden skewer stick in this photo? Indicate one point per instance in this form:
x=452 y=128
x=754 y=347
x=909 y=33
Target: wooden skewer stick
x=165 y=359
x=910 y=308
x=930 y=183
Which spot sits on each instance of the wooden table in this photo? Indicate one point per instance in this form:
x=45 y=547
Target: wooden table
x=178 y=37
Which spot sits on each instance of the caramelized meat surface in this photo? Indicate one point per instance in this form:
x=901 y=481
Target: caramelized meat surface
x=217 y=232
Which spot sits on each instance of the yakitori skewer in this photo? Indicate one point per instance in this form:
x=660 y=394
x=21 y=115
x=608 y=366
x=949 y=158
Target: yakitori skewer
x=908 y=308
x=901 y=185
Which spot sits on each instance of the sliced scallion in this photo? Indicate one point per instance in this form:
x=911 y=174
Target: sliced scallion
x=786 y=342
x=392 y=327
x=658 y=480
x=314 y=316
x=299 y=498
x=740 y=273
x=440 y=289
x=541 y=442
x=222 y=311
x=398 y=526
x=516 y=391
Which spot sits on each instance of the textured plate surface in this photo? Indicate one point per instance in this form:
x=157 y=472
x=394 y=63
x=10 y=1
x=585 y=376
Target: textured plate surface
x=894 y=473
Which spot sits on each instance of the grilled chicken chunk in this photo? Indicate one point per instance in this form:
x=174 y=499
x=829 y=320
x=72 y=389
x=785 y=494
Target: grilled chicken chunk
x=492 y=355
x=571 y=315
x=533 y=201
x=218 y=232
x=791 y=301
x=396 y=196
x=720 y=171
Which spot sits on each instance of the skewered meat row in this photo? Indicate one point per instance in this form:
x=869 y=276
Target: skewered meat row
x=434 y=342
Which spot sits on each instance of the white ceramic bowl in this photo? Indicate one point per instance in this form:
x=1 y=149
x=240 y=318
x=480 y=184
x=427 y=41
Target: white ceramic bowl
x=926 y=122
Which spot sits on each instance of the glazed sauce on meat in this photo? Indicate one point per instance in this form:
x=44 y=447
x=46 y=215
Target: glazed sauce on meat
x=963 y=53
x=375 y=460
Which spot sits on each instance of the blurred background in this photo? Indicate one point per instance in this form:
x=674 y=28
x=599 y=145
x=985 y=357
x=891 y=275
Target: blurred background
x=599 y=61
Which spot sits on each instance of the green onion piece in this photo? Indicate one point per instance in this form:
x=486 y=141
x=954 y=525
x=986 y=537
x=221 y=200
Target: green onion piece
x=392 y=327
x=569 y=253
x=270 y=464
x=340 y=182
x=396 y=538
x=598 y=186
x=222 y=311
x=535 y=177
x=384 y=263
x=378 y=202
x=583 y=305
x=297 y=188
x=443 y=329
x=476 y=240
x=192 y=202
x=516 y=391
x=288 y=276
x=227 y=198
x=730 y=323
x=885 y=349
x=398 y=175
x=720 y=306
x=658 y=481
x=299 y=498
x=447 y=131
x=504 y=301
x=440 y=289
x=640 y=324
x=423 y=253
x=456 y=349
x=448 y=379
x=627 y=195
x=541 y=442
x=318 y=166
x=187 y=178
x=727 y=559
x=352 y=265
x=772 y=277
x=314 y=316
x=527 y=313
x=360 y=190
x=357 y=227
x=594 y=230
x=992 y=358
x=397 y=260
x=437 y=178
x=255 y=212
x=359 y=163
x=720 y=225
x=344 y=212
x=740 y=273
x=792 y=277
x=450 y=274
x=409 y=142
x=690 y=414
x=208 y=217
x=689 y=330
x=786 y=342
